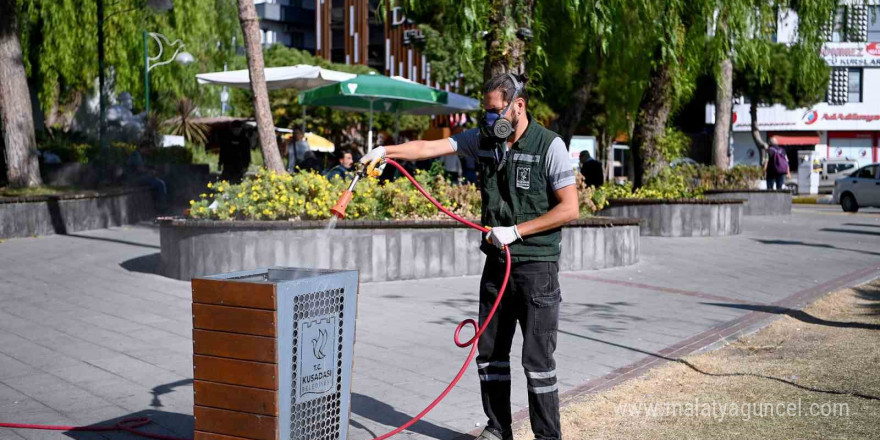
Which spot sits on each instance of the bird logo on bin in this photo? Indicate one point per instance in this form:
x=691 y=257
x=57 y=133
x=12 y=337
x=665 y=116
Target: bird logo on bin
x=316 y=358
x=319 y=343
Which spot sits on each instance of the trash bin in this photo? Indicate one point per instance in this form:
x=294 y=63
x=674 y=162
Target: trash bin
x=272 y=353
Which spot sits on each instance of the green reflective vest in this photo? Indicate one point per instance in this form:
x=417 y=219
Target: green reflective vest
x=518 y=192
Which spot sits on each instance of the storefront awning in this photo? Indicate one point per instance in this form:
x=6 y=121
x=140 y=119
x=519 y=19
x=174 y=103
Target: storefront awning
x=794 y=139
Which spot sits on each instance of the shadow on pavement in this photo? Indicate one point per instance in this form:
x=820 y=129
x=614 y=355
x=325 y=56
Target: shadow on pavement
x=800 y=315
x=113 y=240
x=818 y=245
x=144 y=264
x=380 y=412
x=165 y=389
x=849 y=231
x=867 y=225
x=161 y=423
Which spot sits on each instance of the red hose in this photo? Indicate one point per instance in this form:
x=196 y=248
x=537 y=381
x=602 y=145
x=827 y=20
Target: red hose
x=130 y=424
x=477 y=331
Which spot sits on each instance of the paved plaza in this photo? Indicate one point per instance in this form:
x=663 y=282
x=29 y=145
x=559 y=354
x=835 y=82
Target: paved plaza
x=89 y=333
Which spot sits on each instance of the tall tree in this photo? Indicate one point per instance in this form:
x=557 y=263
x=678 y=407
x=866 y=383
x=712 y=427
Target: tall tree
x=794 y=76
x=510 y=26
x=16 y=118
x=723 y=105
x=771 y=73
x=60 y=52
x=677 y=26
x=250 y=27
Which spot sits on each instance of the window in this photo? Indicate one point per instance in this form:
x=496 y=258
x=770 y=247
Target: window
x=838 y=29
x=837 y=168
x=874 y=23
x=854 y=85
x=867 y=172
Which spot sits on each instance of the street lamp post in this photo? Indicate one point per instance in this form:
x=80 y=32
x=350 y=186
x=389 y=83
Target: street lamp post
x=151 y=62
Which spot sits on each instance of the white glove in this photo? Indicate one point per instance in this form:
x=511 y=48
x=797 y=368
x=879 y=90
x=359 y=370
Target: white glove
x=501 y=236
x=374 y=160
x=375 y=155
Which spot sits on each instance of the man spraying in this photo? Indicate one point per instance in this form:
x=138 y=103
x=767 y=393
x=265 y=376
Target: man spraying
x=528 y=193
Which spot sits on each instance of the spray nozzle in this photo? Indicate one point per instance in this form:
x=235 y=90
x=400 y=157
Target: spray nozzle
x=360 y=170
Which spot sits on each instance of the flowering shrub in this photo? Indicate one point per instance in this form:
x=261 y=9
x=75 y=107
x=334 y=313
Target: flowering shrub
x=309 y=196
x=684 y=182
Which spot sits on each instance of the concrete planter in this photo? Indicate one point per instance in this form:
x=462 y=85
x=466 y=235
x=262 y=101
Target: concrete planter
x=380 y=250
x=46 y=215
x=758 y=202
x=680 y=218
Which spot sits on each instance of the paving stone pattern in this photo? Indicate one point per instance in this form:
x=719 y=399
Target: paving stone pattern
x=90 y=333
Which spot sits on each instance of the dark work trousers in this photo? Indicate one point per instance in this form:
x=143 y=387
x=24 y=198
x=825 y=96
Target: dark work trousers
x=532 y=298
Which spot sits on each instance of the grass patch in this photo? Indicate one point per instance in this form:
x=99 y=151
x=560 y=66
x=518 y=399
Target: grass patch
x=805 y=200
x=37 y=191
x=828 y=357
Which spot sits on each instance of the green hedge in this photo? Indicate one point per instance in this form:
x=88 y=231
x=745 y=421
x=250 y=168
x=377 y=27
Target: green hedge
x=309 y=196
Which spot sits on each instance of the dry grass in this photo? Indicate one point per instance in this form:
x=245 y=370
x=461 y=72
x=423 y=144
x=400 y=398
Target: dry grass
x=833 y=359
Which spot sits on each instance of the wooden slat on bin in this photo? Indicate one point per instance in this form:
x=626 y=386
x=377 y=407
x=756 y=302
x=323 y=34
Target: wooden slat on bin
x=201 y=435
x=235 y=398
x=235 y=372
x=234 y=293
x=246 y=347
x=221 y=421
x=234 y=319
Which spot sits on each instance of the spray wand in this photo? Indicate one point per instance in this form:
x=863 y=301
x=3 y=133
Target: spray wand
x=339 y=211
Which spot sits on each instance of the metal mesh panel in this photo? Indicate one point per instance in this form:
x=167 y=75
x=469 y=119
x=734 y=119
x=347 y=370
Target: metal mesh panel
x=837 y=87
x=319 y=418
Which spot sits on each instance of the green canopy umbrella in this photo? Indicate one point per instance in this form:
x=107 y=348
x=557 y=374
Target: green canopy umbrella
x=373 y=93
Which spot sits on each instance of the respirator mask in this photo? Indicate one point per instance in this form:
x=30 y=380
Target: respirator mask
x=493 y=123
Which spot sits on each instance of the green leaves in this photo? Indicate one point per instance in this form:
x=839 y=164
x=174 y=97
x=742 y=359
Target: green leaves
x=59 y=39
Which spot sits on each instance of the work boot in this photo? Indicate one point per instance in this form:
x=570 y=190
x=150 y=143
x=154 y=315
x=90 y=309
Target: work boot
x=491 y=434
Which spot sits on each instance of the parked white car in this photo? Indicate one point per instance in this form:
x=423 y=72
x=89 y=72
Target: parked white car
x=859 y=189
x=829 y=171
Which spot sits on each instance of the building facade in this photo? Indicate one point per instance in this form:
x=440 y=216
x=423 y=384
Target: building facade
x=351 y=32
x=847 y=123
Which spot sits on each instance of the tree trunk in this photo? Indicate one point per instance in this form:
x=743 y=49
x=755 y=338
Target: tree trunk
x=609 y=157
x=723 y=110
x=16 y=117
x=650 y=124
x=506 y=56
x=756 y=134
x=566 y=124
x=250 y=27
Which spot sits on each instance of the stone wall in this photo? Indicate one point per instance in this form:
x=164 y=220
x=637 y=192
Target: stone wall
x=184 y=182
x=680 y=218
x=758 y=202
x=380 y=250
x=46 y=215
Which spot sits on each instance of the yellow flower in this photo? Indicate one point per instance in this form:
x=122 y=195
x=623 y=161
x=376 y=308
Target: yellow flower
x=203 y=195
x=210 y=185
x=192 y=202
